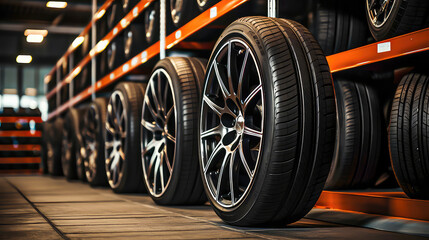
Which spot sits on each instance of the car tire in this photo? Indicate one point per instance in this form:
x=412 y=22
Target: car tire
x=408 y=135
x=279 y=126
x=69 y=145
x=122 y=138
x=151 y=23
x=95 y=122
x=169 y=132
x=182 y=11
x=54 y=146
x=80 y=146
x=338 y=25
x=403 y=16
x=357 y=148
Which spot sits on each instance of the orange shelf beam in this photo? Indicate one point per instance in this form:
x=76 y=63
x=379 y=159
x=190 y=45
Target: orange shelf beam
x=20 y=134
x=20 y=119
x=171 y=40
x=391 y=48
x=19 y=160
x=396 y=205
x=101 y=45
x=20 y=147
x=100 y=12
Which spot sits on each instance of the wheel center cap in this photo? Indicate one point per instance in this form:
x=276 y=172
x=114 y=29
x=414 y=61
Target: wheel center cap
x=239 y=124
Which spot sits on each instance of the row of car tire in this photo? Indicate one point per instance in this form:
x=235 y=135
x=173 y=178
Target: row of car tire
x=256 y=129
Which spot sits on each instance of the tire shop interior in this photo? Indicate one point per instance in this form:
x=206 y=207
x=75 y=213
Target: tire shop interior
x=214 y=119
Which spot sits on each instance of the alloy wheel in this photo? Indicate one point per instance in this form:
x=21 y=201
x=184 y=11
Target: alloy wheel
x=379 y=11
x=231 y=126
x=158 y=132
x=91 y=142
x=116 y=132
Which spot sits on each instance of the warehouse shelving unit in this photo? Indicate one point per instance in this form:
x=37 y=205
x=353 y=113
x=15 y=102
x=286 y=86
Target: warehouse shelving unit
x=375 y=53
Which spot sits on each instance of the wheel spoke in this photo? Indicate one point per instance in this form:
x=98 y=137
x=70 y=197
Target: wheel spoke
x=154 y=96
x=161 y=103
x=151 y=162
x=161 y=170
x=168 y=115
x=170 y=137
x=229 y=60
x=222 y=169
x=150 y=126
x=217 y=109
x=252 y=132
x=167 y=161
x=251 y=96
x=211 y=132
x=240 y=78
x=215 y=151
x=222 y=86
x=231 y=177
x=155 y=174
x=149 y=106
x=244 y=162
x=150 y=145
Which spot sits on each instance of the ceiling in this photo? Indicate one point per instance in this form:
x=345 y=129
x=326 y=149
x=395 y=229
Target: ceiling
x=63 y=26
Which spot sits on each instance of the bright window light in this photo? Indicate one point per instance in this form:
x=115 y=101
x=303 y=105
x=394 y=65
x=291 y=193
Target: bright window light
x=56 y=4
x=78 y=41
x=24 y=59
x=42 y=32
x=34 y=38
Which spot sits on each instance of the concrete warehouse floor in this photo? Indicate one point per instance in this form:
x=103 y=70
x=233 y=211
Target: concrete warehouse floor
x=41 y=207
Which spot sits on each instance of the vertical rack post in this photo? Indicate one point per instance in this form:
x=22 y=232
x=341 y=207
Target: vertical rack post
x=93 y=60
x=272 y=8
x=162 y=28
x=58 y=95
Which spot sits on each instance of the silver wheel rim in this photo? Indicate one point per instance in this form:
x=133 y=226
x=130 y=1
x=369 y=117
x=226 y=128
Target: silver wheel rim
x=379 y=11
x=158 y=134
x=232 y=120
x=91 y=143
x=149 y=22
x=202 y=3
x=111 y=53
x=116 y=133
x=128 y=43
x=176 y=7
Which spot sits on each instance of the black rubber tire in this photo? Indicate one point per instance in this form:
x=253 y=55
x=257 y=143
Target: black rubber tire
x=69 y=145
x=299 y=95
x=43 y=146
x=357 y=148
x=408 y=135
x=80 y=145
x=114 y=14
x=406 y=16
x=115 y=53
x=133 y=40
x=152 y=33
x=54 y=146
x=184 y=185
x=96 y=116
x=338 y=25
x=131 y=170
x=184 y=13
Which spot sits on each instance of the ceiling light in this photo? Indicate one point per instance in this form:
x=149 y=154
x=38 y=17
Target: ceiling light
x=34 y=38
x=42 y=32
x=78 y=41
x=24 y=59
x=56 y=4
